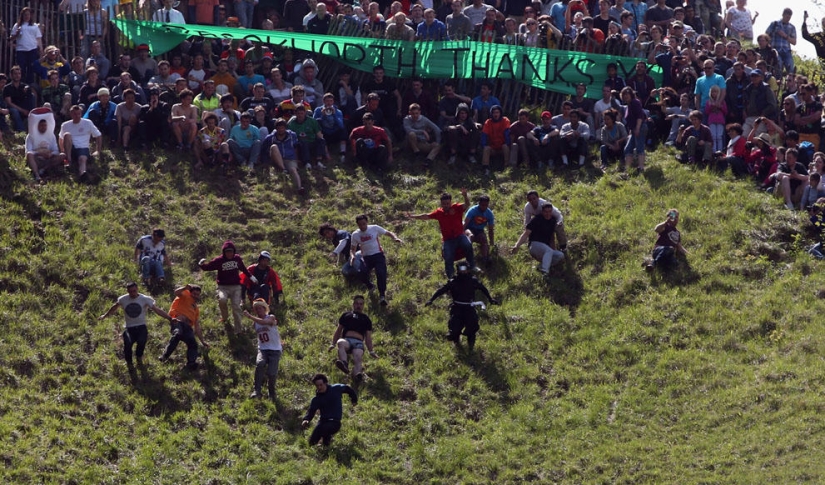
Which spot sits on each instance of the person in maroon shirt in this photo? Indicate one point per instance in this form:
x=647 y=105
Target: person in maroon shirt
x=450 y=219
x=668 y=243
x=228 y=265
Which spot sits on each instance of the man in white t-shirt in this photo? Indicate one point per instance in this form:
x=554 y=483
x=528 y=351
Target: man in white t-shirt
x=42 y=152
x=75 y=138
x=373 y=255
x=533 y=208
x=135 y=305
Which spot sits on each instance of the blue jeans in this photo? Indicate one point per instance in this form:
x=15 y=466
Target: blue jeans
x=636 y=143
x=310 y=150
x=149 y=266
x=349 y=270
x=449 y=248
x=664 y=256
x=244 y=10
x=785 y=61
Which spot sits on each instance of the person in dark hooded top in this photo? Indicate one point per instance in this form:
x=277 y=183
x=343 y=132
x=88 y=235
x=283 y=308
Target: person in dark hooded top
x=462 y=288
x=228 y=265
x=463 y=136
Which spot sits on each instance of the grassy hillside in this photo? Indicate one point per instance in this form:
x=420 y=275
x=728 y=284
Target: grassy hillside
x=605 y=375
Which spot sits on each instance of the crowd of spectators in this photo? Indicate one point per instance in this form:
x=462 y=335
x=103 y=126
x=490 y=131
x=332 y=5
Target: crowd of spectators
x=235 y=103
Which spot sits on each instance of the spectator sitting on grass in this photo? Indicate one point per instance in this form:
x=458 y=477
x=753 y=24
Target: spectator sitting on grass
x=668 y=243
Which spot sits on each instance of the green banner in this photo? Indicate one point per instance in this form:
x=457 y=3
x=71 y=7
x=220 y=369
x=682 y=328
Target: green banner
x=553 y=70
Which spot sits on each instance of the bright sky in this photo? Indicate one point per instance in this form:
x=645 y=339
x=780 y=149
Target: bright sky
x=770 y=10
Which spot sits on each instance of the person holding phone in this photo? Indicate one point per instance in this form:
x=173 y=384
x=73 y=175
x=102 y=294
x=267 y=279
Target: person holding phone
x=668 y=244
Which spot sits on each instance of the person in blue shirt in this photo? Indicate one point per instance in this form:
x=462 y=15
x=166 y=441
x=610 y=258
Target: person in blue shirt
x=102 y=114
x=431 y=28
x=482 y=103
x=476 y=220
x=245 y=142
x=327 y=400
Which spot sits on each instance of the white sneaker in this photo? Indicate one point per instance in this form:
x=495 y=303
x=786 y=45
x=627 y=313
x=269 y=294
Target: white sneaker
x=451 y=160
x=790 y=206
x=320 y=165
x=308 y=166
x=473 y=159
x=343 y=157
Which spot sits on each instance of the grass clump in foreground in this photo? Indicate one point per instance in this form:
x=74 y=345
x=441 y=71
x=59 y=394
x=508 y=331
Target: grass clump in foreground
x=604 y=375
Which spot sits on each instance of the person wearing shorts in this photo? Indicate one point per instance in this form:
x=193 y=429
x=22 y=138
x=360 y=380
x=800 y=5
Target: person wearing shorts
x=352 y=336
x=229 y=265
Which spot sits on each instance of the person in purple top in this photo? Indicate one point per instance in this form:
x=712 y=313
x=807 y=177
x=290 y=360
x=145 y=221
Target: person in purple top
x=228 y=265
x=668 y=244
x=636 y=123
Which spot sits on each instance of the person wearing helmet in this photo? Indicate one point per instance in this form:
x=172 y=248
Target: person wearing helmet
x=463 y=317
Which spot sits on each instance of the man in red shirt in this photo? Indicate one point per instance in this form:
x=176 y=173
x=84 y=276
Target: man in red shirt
x=370 y=144
x=450 y=219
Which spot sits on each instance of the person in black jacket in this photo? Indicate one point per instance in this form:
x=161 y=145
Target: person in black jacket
x=463 y=316
x=327 y=400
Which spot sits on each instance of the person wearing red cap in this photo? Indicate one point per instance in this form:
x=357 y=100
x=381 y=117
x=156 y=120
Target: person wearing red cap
x=543 y=142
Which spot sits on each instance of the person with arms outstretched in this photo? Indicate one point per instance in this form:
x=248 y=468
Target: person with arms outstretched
x=328 y=401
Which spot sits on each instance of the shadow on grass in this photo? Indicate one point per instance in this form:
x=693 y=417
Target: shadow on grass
x=655 y=177
x=566 y=286
x=378 y=386
x=681 y=275
x=156 y=392
x=393 y=322
x=486 y=368
x=344 y=454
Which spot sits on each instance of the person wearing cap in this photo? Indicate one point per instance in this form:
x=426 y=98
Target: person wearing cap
x=463 y=135
x=759 y=100
x=42 y=152
x=153 y=126
x=229 y=265
x=269 y=348
x=543 y=142
x=145 y=65
x=151 y=257
x=450 y=219
x=74 y=140
x=463 y=317
x=495 y=137
x=51 y=61
x=761 y=160
x=135 y=306
x=696 y=140
x=328 y=403
x=168 y=14
x=352 y=336
x=185 y=325
x=541 y=234
x=370 y=144
x=268 y=287
x=308 y=78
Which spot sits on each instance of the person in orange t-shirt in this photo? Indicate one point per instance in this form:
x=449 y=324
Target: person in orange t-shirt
x=495 y=137
x=185 y=315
